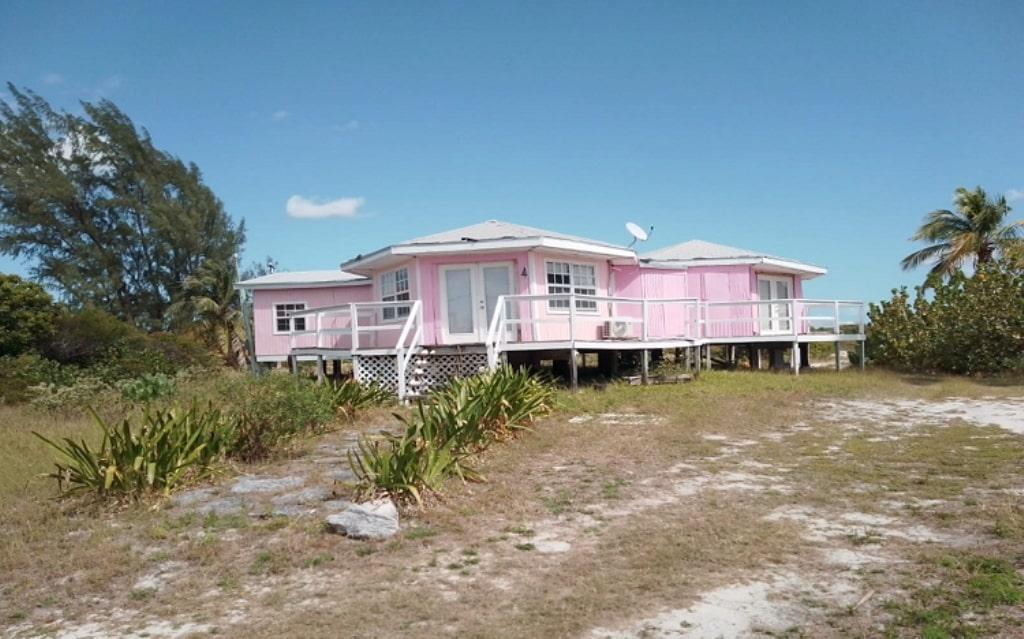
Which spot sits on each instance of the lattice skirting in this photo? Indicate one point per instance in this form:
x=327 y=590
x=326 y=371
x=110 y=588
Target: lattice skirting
x=437 y=368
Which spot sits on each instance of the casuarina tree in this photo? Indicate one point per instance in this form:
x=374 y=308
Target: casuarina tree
x=100 y=213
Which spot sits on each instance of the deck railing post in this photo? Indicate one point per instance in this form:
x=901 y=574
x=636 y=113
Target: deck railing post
x=319 y=319
x=835 y=313
x=354 y=325
x=572 y=319
x=645 y=312
x=792 y=317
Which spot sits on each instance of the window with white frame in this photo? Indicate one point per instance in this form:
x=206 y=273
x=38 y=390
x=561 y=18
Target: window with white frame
x=564 y=278
x=285 y=324
x=394 y=287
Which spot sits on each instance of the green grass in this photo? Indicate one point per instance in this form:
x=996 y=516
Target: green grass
x=969 y=586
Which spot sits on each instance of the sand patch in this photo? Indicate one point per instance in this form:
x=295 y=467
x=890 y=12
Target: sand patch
x=1007 y=413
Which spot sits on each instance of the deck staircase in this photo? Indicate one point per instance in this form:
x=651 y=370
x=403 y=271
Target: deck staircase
x=417 y=384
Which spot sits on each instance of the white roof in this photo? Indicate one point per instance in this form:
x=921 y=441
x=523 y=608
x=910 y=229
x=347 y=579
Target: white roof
x=305 y=279
x=496 y=230
x=492 y=235
x=700 y=250
x=701 y=253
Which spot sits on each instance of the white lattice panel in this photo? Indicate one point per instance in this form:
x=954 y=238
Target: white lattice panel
x=437 y=369
x=382 y=369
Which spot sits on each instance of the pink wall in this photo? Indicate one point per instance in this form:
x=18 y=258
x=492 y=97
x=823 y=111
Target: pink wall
x=430 y=278
x=665 y=319
x=718 y=283
x=589 y=324
x=269 y=344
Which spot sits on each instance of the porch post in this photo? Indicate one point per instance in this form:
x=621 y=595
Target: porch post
x=708 y=355
x=354 y=326
x=863 y=354
x=837 y=354
x=574 y=379
x=319 y=369
x=795 y=358
x=645 y=364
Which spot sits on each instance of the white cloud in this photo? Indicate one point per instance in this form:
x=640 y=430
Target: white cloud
x=302 y=208
x=1014 y=195
x=351 y=125
x=53 y=78
x=277 y=116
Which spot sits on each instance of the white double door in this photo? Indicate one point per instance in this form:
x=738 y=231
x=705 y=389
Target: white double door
x=469 y=294
x=775 y=318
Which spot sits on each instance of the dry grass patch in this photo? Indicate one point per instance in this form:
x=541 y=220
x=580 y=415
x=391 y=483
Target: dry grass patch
x=583 y=524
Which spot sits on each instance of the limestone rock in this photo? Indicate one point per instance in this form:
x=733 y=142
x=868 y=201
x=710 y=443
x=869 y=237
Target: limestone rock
x=265 y=484
x=371 y=520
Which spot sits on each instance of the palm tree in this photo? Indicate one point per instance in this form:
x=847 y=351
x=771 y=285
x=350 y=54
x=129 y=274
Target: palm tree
x=976 y=231
x=210 y=299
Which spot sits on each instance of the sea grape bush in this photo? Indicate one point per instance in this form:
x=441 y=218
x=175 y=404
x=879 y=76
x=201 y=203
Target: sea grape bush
x=966 y=325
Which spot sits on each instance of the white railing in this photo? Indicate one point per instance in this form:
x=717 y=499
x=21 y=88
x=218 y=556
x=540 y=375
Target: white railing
x=782 y=317
x=357 y=325
x=513 y=316
x=362 y=323
x=515 y=319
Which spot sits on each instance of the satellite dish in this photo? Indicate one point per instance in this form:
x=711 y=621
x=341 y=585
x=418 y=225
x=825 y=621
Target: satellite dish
x=638 y=233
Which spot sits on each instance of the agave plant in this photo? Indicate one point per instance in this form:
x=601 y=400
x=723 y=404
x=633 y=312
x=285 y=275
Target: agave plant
x=446 y=430
x=351 y=396
x=168 y=447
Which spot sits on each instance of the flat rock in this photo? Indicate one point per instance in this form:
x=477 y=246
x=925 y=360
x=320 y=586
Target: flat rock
x=336 y=505
x=265 y=484
x=341 y=474
x=305 y=496
x=193 y=497
x=371 y=520
x=293 y=510
x=222 y=506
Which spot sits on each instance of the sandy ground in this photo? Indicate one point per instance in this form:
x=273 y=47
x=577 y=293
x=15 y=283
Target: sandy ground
x=837 y=553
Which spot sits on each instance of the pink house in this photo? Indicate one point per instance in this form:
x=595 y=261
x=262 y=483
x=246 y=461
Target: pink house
x=415 y=313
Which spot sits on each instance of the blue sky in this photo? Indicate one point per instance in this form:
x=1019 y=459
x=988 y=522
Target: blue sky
x=821 y=131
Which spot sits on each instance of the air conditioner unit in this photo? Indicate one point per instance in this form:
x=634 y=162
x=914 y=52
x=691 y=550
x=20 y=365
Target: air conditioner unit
x=616 y=329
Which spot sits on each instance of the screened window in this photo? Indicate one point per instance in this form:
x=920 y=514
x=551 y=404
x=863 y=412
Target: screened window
x=285 y=324
x=394 y=287
x=564 y=278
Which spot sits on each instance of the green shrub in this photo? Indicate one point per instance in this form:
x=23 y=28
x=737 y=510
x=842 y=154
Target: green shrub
x=969 y=324
x=496 y=404
x=84 y=337
x=114 y=350
x=166 y=449
x=19 y=374
x=350 y=396
x=147 y=388
x=26 y=315
x=420 y=459
x=84 y=391
x=455 y=422
x=272 y=409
